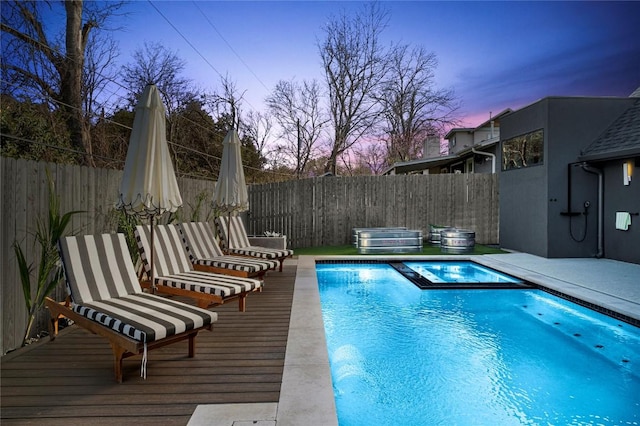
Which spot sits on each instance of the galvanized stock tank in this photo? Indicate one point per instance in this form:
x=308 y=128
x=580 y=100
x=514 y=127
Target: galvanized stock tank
x=394 y=240
x=435 y=234
x=455 y=240
x=355 y=233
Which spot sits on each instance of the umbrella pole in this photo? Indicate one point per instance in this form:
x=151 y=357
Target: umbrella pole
x=230 y=231
x=153 y=281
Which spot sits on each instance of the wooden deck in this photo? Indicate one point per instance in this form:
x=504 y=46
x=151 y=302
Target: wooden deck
x=70 y=381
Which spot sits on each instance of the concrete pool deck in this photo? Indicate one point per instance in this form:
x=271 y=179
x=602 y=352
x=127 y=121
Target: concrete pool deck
x=306 y=396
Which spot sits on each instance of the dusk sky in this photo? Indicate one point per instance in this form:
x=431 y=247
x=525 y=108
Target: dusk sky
x=495 y=55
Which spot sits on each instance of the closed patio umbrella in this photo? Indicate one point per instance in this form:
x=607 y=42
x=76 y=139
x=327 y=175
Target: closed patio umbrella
x=149 y=187
x=230 y=194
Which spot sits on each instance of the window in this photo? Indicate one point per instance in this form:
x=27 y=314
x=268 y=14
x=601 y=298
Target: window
x=469 y=165
x=523 y=151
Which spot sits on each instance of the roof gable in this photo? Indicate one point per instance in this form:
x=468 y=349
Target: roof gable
x=621 y=139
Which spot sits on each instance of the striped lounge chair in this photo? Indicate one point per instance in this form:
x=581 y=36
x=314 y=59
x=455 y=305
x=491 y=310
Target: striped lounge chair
x=105 y=297
x=237 y=242
x=173 y=272
x=206 y=255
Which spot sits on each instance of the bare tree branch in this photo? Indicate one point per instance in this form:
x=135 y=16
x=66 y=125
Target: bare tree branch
x=413 y=108
x=296 y=108
x=352 y=58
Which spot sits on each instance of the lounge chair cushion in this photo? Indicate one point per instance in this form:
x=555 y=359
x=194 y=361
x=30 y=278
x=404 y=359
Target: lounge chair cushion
x=103 y=287
x=200 y=242
x=232 y=230
x=261 y=252
x=97 y=267
x=146 y=317
x=173 y=267
x=169 y=255
x=207 y=282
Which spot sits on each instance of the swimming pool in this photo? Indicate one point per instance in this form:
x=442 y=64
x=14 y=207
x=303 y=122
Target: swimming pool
x=405 y=356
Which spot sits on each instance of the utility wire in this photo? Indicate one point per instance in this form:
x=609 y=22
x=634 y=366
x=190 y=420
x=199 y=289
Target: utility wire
x=229 y=45
x=195 y=49
x=95 y=114
x=185 y=38
x=187 y=148
x=75 y=151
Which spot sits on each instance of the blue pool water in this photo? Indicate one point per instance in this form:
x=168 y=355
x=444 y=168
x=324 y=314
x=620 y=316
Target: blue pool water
x=404 y=356
x=455 y=272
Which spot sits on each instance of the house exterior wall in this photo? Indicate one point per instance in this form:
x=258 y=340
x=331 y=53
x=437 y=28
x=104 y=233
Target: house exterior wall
x=460 y=141
x=533 y=199
x=618 y=244
x=484 y=134
x=483 y=163
x=523 y=192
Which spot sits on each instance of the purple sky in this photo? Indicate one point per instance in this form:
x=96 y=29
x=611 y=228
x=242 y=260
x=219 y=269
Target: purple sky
x=495 y=55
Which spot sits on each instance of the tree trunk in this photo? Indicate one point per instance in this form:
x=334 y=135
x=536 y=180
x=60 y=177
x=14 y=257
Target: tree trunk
x=71 y=87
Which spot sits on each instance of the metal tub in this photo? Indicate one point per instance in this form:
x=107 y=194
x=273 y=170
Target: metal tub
x=356 y=232
x=457 y=240
x=389 y=240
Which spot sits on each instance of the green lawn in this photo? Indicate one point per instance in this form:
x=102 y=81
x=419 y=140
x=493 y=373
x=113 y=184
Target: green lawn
x=350 y=250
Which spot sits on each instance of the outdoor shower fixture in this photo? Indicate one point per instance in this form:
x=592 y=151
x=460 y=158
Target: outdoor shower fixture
x=586 y=205
x=569 y=212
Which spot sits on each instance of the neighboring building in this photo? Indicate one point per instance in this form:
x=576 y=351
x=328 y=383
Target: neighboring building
x=561 y=178
x=471 y=150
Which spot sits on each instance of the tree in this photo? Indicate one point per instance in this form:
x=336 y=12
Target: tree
x=227 y=104
x=36 y=60
x=258 y=126
x=110 y=135
x=98 y=72
x=372 y=158
x=412 y=107
x=154 y=64
x=198 y=144
x=353 y=59
x=296 y=108
x=26 y=121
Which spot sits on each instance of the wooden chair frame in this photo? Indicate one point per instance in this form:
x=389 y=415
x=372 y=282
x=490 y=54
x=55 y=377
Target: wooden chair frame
x=121 y=345
x=202 y=300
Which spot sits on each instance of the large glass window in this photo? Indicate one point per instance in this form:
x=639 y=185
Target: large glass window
x=523 y=151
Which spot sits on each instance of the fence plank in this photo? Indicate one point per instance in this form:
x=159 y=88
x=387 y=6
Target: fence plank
x=12 y=215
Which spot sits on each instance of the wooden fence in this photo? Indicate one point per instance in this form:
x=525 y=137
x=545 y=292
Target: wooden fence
x=323 y=211
x=25 y=199
x=311 y=212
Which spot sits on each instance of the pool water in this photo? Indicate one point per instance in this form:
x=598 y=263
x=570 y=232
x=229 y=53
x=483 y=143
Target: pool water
x=457 y=272
x=404 y=356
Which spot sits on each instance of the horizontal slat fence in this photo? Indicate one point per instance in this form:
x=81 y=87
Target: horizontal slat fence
x=323 y=211
x=311 y=212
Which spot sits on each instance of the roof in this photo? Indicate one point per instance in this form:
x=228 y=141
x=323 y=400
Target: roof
x=426 y=163
x=496 y=117
x=421 y=164
x=621 y=139
x=485 y=124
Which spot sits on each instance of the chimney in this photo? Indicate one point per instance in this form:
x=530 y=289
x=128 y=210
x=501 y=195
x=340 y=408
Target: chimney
x=431 y=147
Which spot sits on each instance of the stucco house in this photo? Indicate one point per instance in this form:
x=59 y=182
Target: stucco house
x=568 y=178
x=470 y=150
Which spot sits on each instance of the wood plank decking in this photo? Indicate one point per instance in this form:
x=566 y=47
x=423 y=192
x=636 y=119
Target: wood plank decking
x=70 y=381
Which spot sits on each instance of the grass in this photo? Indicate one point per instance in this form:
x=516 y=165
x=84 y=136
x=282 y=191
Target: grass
x=350 y=250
